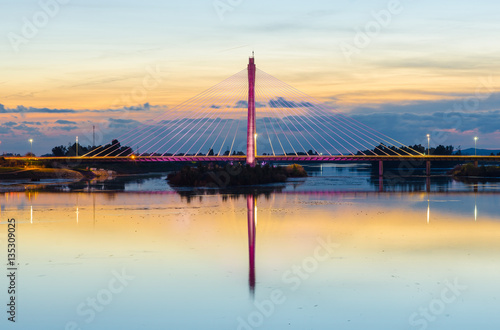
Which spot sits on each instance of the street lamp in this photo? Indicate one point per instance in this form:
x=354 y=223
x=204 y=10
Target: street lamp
x=255 y=143
x=475 y=145
x=31 y=150
x=76 y=145
x=428 y=144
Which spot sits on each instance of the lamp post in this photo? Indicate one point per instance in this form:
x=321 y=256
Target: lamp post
x=76 y=145
x=475 y=145
x=255 y=137
x=31 y=149
x=428 y=144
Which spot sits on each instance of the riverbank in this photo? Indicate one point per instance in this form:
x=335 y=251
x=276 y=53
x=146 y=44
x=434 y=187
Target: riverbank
x=469 y=170
x=39 y=173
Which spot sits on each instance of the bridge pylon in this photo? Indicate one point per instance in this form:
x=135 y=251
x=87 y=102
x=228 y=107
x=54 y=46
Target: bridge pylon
x=251 y=129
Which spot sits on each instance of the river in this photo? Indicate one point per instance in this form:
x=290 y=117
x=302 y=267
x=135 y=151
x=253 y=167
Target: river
x=337 y=250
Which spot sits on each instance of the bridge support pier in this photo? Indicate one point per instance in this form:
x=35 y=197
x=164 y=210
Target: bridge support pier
x=476 y=164
x=428 y=168
x=380 y=168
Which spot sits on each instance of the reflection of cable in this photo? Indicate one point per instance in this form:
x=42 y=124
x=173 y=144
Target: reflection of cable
x=475 y=207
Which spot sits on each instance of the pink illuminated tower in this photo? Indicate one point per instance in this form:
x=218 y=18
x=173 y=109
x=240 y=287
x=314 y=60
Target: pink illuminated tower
x=251 y=131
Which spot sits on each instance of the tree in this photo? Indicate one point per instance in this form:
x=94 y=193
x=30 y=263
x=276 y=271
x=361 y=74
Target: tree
x=442 y=150
x=71 y=150
x=59 y=151
x=112 y=149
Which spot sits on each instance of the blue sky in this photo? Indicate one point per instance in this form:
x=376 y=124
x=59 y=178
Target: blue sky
x=425 y=59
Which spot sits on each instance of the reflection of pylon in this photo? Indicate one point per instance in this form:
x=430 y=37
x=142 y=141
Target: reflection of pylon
x=251 y=217
x=251 y=134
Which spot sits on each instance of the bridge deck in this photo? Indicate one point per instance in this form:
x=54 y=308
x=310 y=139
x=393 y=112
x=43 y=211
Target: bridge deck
x=334 y=158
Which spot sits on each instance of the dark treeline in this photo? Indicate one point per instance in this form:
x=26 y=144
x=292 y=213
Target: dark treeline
x=112 y=149
x=416 y=149
x=215 y=176
x=469 y=170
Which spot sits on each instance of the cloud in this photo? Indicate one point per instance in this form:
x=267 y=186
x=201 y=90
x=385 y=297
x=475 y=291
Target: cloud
x=8 y=127
x=465 y=103
x=281 y=102
x=5 y=130
x=445 y=127
x=242 y=104
x=65 y=122
x=23 y=110
x=26 y=128
x=65 y=128
x=142 y=107
x=445 y=63
x=123 y=123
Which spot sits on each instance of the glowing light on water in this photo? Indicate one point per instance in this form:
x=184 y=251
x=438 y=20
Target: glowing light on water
x=255 y=214
x=428 y=210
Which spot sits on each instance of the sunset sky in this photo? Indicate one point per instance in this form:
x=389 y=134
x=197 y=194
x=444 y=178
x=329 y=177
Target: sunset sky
x=423 y=67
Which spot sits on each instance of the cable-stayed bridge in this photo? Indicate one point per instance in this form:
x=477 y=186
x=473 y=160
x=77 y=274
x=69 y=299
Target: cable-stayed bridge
x=251 y=117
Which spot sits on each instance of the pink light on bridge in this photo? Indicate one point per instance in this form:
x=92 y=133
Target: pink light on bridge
x=251 y=134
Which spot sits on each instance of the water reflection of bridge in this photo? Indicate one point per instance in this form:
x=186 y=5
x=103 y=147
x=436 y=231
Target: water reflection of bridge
x=252 y=212
x=251 y=202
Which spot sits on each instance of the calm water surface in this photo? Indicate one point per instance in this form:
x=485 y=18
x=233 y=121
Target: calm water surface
x=328 y=252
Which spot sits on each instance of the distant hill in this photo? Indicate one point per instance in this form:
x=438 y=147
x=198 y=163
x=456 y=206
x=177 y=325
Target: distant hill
x=480 y=152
